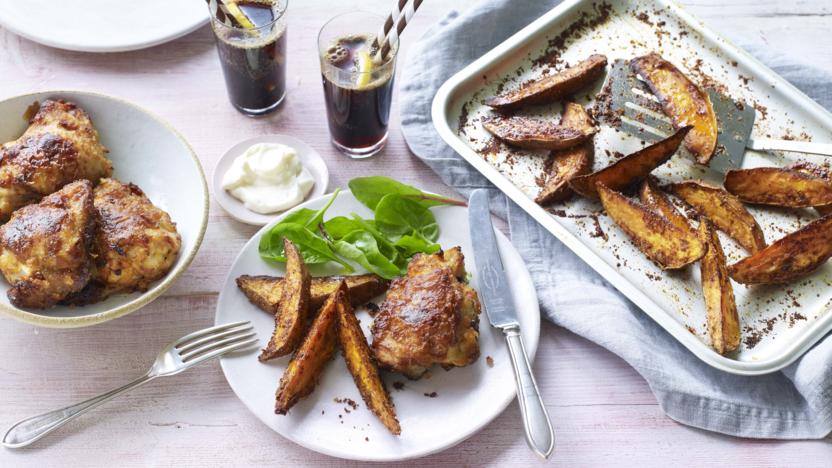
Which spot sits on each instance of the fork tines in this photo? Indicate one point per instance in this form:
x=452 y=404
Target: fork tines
x=211 y=342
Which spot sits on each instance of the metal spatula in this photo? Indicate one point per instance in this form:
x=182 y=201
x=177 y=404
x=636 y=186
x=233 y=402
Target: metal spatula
x=642 y=116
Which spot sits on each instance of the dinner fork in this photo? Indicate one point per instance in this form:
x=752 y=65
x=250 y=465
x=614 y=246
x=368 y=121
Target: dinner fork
x=184 y=353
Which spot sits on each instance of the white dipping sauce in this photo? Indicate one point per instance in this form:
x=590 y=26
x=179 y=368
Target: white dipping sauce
x=267 y=178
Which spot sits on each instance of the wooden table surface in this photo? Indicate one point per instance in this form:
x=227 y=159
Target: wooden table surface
x=603 y=412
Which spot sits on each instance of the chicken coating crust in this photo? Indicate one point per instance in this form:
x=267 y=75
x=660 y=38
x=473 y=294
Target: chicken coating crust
x=429 y=317
x=44 y=248
x=59 y=146
x=136 y=243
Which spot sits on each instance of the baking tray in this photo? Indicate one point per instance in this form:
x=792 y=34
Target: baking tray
x=779 y=323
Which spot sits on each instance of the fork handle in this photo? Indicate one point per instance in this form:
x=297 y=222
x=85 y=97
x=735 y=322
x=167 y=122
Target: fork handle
x=31 y=429
x=764 y=144
x=539 y=433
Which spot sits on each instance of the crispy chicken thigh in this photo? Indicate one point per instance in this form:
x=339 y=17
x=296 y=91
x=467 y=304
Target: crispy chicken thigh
x=44 y=248
x=135 y=244
x=429 y=317
x=59 y=147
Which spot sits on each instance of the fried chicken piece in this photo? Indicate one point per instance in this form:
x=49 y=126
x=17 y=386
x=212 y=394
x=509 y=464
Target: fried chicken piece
x=429 y=317
x=59 y=147
x=44 y=248
x=136 y=243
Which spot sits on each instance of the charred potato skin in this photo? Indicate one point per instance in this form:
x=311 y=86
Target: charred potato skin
x=304 y=370
x=788 y=259
x=527 y=133
x=779 y=187
x=818 y=171
x=724 y=210
x=683 y=101
x=362 y=365
x=720 y=305
x=653 y=197
x=630 y=169
x=550 y=88
x=563 y=165
x=663 y=242
x=265 y=291
x=291 y=318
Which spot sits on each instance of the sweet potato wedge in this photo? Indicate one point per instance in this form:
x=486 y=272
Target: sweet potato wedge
x=290 y=321
x=265 y=291
x=817 y=171
x=316 y=350
x=631 y=169
x=726 y=211
x=550 y=88
x=654 y=198
x=362 y=365
x=683 y=101
x=566 y=164
x=662 y=242
x=779 y=186
x=790 y=258
x=721 y=308
x=528 y=133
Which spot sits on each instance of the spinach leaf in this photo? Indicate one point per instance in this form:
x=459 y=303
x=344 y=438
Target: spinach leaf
x=361 y=247
x=314 y=248
x=397 y=216
x=271 y=243
x=410 y=246
x=370 y=191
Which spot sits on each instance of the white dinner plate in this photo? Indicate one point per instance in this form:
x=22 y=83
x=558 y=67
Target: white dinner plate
x=465 y=399
x=145 y=151
x=102 y=25
x=310 y=158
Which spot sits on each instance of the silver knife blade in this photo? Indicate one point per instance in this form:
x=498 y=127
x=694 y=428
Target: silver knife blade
x=491 y=277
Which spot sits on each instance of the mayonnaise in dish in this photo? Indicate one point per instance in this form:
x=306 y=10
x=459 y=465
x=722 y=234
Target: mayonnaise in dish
x=267 y=178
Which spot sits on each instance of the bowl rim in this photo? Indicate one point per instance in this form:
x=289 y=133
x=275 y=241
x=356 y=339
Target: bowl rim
x=162 y=285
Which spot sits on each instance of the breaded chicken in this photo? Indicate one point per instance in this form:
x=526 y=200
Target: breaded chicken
x=44 y=248
x=429 y=317
x=60 y=146
x=136 y=242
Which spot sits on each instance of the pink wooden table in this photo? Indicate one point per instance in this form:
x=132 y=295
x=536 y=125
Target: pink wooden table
x=603 y=412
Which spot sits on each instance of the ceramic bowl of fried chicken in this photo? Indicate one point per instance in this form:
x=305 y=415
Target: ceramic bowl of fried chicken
x=102 y=206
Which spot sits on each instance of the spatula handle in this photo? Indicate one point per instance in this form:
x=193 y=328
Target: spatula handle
x=763 y=144
x=539 y=433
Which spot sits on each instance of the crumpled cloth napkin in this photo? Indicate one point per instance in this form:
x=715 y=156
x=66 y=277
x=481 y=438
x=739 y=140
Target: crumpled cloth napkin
x=795 y=403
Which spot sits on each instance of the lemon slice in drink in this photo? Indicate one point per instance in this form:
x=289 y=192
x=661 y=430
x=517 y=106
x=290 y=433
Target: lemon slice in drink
x=365 y=68
x=238 y=15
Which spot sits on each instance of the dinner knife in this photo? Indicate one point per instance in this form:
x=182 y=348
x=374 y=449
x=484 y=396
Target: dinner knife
x=494 y=292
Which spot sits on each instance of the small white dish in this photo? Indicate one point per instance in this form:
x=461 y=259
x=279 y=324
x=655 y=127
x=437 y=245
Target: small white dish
x=145 y=151
x=102 y=25
x=466 y=398
x=311 y=159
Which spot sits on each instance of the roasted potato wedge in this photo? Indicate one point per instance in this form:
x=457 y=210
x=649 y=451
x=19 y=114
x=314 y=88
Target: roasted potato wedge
x=722 y=317
x=528 y=133
x=683 y=101
x=817 y=171
x=664 y=243
x=631 y=169
x=779 y=186
x=362 y=365
x=726 y=211
x=290 y=321
x=316 y=350
x=550 y=88
x=566 y=164
x=265 y=291
x=790 y=258
x=654 y=198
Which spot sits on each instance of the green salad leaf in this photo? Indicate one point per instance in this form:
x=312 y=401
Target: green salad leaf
x=403 y=226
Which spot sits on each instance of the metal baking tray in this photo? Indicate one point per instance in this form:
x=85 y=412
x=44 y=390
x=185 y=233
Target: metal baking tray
x=779 y=323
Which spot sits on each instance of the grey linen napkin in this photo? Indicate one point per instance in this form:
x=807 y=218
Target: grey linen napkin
x=792 y=404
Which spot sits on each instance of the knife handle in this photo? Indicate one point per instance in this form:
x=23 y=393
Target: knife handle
x=539 y=433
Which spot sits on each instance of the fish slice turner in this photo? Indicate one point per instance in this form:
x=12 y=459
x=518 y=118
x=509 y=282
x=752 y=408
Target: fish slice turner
x=641 y=115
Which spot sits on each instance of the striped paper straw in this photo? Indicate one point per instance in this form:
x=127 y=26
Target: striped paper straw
x=388 y=23
x=392 y=37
